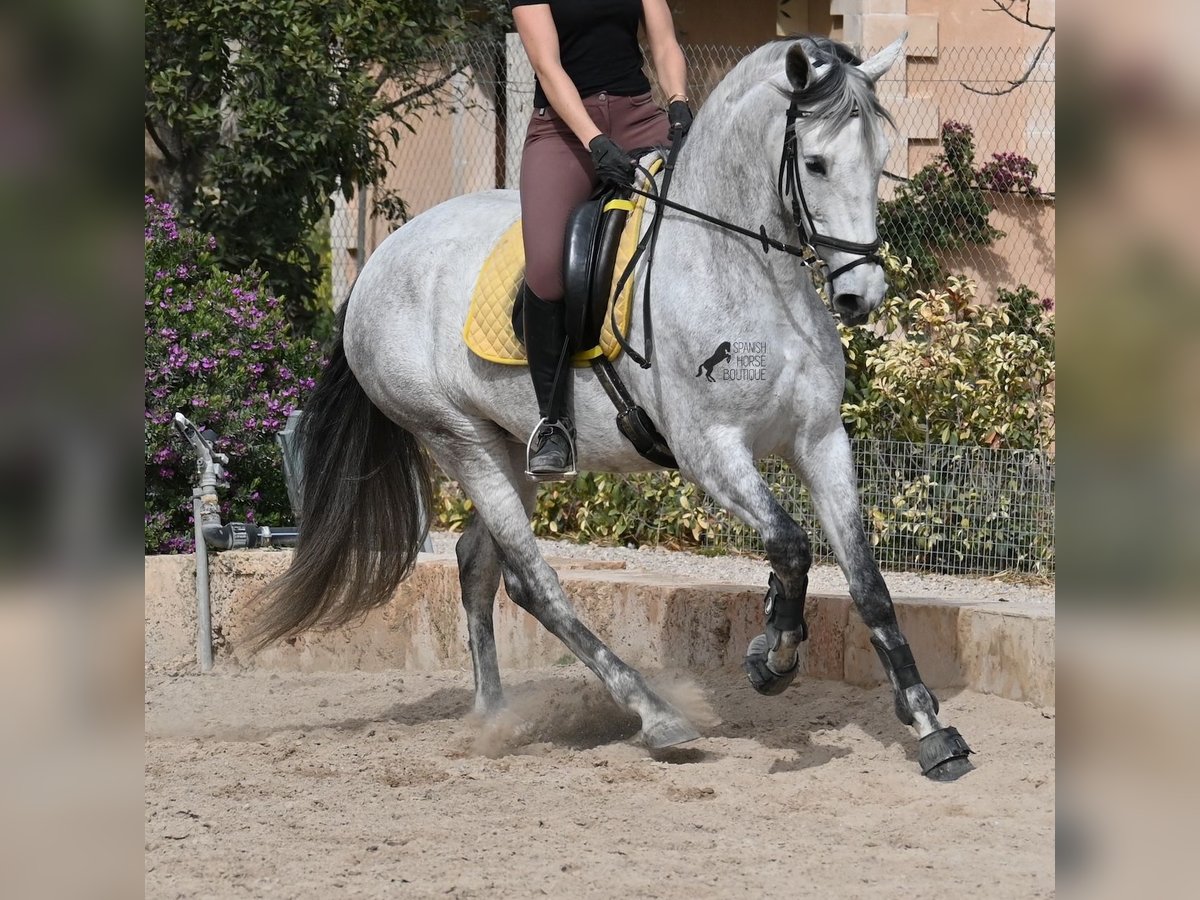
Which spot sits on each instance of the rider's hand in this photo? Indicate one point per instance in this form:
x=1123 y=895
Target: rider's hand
x=613 y=165
x=679 y=115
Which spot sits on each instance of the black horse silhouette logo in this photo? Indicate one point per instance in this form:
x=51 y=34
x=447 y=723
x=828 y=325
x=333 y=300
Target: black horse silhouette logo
x=722 y=355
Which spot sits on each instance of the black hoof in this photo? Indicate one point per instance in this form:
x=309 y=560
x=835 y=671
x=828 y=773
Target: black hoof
x=950 y=770
x=762 y=678
x=943 y=755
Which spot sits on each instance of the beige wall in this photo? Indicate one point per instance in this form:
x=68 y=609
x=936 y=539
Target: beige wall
x=751 y=22
x=746 y=23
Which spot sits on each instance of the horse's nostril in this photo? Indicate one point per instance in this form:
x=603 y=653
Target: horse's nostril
x=848 y=303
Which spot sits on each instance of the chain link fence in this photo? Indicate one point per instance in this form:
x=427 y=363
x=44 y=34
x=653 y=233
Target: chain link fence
x=929 y=507
x=976 y=201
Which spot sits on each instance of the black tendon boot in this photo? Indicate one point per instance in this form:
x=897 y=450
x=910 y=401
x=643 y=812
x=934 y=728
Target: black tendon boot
x=550 y=455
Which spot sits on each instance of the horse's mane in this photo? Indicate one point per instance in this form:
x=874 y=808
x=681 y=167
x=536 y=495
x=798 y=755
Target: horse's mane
x=840 y=93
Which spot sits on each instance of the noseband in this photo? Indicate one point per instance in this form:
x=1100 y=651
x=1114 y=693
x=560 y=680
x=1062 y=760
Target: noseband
x=789 y=187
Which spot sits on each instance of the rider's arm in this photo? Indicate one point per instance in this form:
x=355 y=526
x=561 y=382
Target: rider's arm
x=669 y=63
x=536 y=27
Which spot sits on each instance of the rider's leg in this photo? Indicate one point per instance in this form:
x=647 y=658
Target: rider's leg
x=552 y=445
x=556 y=176
x=635 y=122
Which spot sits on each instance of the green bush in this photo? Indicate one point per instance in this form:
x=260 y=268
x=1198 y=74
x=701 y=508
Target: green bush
x=943 y=207
x=218 y=349
x=646 y=508
x=939 y=369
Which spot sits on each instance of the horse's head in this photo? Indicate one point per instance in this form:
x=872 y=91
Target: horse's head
x=839 y=152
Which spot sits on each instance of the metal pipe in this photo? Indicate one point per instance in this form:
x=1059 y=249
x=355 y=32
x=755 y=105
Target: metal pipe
x=243 y=535
x=212 y=532
x=204 y=649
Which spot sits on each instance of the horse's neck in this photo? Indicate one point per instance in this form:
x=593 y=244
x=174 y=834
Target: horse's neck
x=713 y=178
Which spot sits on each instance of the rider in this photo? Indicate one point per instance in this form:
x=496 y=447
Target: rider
x=591 y=103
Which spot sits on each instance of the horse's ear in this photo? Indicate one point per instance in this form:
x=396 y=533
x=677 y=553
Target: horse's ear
x=875 y=67
x=798 y=66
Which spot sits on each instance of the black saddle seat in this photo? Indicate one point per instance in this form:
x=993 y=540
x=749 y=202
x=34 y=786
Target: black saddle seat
x=589 y=257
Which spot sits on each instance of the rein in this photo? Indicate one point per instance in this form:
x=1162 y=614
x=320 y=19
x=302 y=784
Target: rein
x=789 y=187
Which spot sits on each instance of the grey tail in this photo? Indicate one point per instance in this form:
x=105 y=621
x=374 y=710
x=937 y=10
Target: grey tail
x=366 y=491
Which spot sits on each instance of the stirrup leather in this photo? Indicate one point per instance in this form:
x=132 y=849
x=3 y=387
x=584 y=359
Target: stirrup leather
x=570 y=471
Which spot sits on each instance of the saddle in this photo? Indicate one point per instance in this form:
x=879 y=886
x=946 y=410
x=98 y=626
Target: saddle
x=598 y=243
x=593 y=236
x=601 y=239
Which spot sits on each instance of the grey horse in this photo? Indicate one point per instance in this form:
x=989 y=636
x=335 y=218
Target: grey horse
x=400 y=381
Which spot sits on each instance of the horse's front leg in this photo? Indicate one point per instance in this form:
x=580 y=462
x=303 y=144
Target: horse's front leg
x=727 y=473
x=827 y=467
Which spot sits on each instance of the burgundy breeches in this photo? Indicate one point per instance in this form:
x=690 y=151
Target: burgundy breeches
x=557 y=175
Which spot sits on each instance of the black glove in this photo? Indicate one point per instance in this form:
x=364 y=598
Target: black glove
x=680 y=114
x=612 y=163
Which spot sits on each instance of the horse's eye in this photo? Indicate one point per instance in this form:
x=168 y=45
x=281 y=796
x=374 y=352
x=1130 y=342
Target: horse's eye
x=815 y=165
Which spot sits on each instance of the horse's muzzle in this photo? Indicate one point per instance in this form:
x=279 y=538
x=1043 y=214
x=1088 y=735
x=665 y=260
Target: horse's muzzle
x=852 y=309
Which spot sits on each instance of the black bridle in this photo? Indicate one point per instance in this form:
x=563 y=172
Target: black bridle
x=789 y=186
x=790 y=189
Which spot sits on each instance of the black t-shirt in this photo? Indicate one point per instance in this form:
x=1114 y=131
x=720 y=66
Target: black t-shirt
x=597 y=45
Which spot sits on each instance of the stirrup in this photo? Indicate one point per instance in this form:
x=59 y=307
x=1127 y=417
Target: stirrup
x=570 y=471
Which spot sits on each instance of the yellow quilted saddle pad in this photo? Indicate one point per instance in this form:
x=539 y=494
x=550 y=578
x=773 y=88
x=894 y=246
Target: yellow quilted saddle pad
x=488 y=331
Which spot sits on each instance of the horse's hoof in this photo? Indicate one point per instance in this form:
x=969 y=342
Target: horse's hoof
x=668 y=733
x=943 y=755
x=762 y=677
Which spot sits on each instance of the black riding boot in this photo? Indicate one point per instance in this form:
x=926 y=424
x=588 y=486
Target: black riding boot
x=551 y=451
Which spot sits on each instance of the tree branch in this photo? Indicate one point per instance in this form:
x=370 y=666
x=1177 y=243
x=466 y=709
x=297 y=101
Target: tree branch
x=423 y=91
x=1007 y=9
x=168 y=156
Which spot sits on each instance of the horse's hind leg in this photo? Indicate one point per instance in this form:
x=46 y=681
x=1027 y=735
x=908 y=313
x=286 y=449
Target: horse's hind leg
x=485 y=473
x=479 y=577
x=828 y=469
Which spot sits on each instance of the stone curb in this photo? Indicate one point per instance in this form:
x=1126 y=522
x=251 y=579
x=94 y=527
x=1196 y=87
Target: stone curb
x=649 y=619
